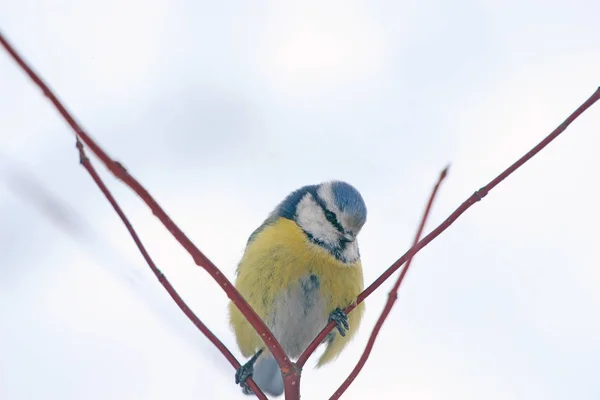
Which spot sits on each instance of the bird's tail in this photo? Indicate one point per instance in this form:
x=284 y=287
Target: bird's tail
x=332 y=351
x=267 y=375
x=335 y=342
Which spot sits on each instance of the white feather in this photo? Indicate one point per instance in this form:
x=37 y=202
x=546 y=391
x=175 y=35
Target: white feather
x=298 y=316
x=325 y=192
x=311 y=218
x=350 y=253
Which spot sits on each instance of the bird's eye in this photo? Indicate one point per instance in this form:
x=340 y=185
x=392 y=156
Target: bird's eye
x=333 y=219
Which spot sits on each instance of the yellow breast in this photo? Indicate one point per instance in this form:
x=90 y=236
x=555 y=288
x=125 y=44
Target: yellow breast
x=277 y=258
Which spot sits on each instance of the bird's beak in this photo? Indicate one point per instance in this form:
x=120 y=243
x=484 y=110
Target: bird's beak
x=349 y=237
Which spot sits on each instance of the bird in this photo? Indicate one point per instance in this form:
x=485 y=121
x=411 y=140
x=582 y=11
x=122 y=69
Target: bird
x=300 y=269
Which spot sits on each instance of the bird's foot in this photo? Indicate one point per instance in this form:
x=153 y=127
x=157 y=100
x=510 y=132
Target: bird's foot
x=341 y=320
x=245 y=372
x=242 y=375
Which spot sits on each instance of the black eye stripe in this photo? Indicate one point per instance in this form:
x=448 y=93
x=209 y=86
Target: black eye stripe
x=333 y=219
x=329 y=215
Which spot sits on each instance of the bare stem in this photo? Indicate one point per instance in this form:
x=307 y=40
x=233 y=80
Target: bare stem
x=85 y=161
x=121 y=173
x=474 y=198
x=291 y=371
x=392 y=296
x=291 y=384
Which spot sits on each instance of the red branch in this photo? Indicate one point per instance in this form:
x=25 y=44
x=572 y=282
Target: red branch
x=291 y=383
x=290 y=371
x=392 y=295
x=287 y=367
x=475 y=197
x=84 y=160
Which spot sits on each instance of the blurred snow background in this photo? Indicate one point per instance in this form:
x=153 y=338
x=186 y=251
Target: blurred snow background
x=221 y=108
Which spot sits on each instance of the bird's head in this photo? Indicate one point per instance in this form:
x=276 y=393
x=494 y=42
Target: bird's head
x=331 y=215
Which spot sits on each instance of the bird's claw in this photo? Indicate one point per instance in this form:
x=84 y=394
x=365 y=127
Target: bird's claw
x=246 y=371
x=242 y=375
x=341 y=320
x=246 y=389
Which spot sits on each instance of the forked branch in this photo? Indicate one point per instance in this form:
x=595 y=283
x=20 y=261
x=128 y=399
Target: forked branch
x=290 y=370
x=199 y=258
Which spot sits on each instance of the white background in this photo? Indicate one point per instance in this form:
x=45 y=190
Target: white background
x=221 y=108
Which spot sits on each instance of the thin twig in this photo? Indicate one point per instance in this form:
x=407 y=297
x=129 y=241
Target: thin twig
x=286 y=365
x=474 y=198
x=85 y=161
x=199 y=258
x=392 y=295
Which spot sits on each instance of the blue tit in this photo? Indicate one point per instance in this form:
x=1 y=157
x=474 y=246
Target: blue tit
x=299 y=270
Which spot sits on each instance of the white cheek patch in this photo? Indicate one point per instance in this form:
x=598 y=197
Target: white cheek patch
x=310 y=217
